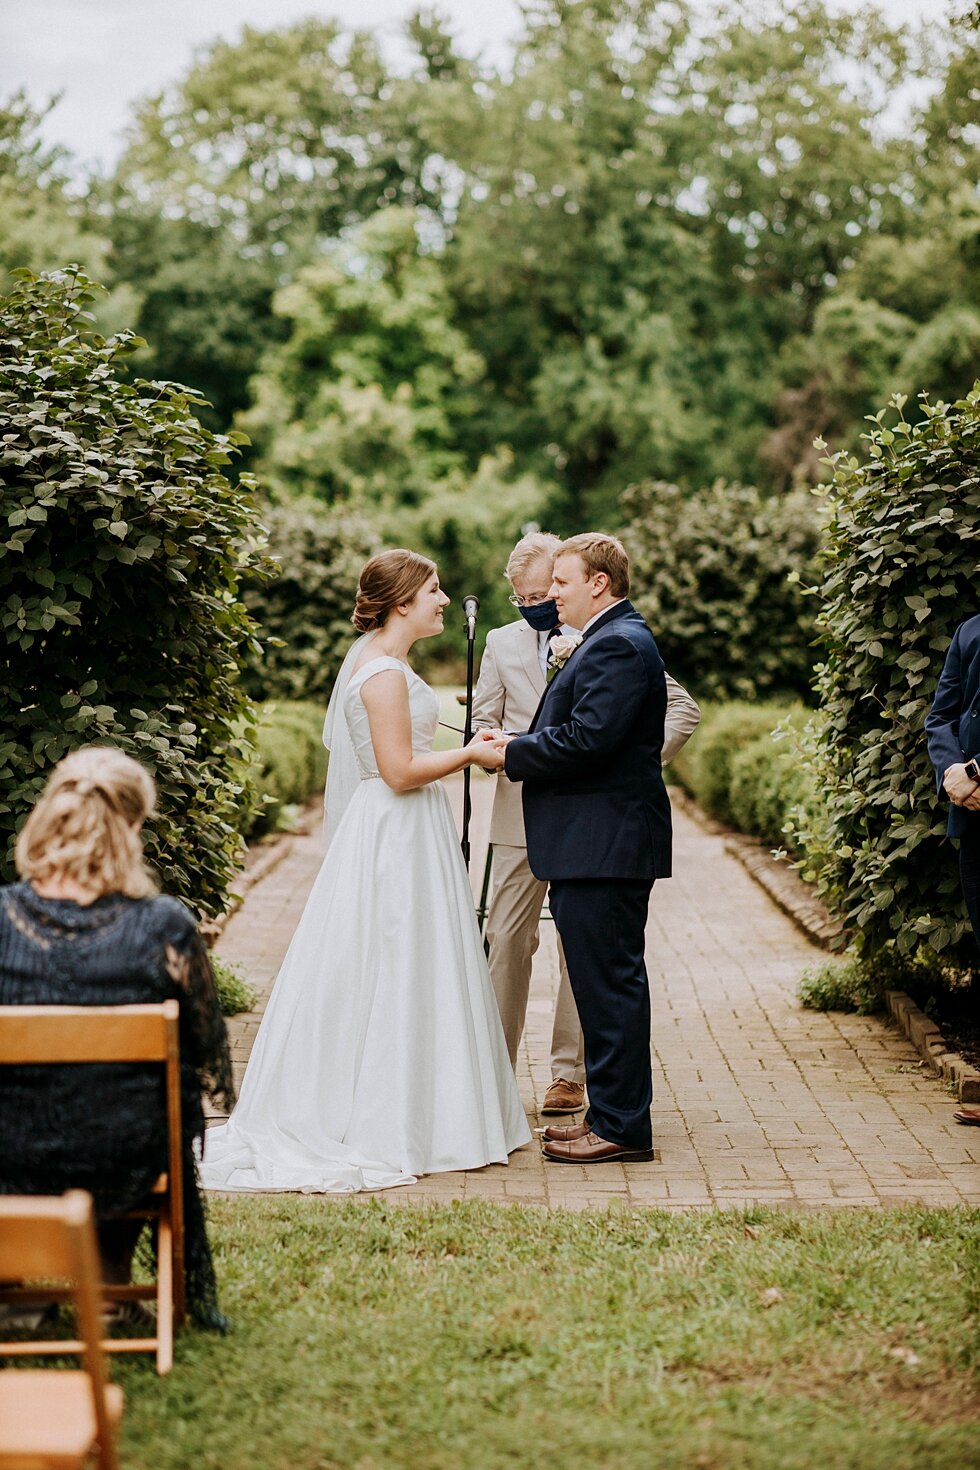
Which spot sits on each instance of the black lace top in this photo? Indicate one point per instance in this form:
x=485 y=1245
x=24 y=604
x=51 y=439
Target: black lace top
x=103 y=1126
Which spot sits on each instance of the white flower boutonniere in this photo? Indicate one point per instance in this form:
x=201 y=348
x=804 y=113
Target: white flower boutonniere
x=560 y=651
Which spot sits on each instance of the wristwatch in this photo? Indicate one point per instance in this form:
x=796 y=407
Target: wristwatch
x=972 y=770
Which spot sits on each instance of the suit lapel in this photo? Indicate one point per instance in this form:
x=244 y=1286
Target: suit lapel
x=530 y=660
x=546 y=689
x=619 y=610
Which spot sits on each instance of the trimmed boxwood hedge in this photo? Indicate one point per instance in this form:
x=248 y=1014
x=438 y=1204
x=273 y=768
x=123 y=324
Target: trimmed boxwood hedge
x=289 y=762
x=717 y=574
x=743 y=768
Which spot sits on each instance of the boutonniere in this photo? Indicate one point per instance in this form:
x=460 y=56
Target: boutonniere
x=560 y=651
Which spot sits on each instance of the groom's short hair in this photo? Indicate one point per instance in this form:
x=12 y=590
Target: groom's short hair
x=601 y=553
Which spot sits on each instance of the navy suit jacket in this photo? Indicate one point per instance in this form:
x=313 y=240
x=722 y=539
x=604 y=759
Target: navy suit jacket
x=953 y=723
x=595 y=804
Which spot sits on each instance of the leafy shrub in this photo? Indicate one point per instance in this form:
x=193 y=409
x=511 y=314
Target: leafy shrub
x=769 y=787
x=120 y=569
x=234 y=992
x=717 y=575
x=839 y=985
x=308 y=607
x=755 y=794
x=724 y=731
x=289 y=762
x=750 y=769
x=859 y=982
x=900 y=572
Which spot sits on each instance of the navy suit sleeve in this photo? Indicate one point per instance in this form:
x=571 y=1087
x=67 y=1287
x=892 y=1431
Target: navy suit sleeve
x=943 y=720
x=610 y=687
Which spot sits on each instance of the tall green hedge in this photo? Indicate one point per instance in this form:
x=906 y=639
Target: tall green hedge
x=124 y=544
x=289 y=761
x=900 y=572
x=717 y=573
x=307 y=608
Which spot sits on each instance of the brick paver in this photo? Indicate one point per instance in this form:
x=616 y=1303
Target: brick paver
x=755 y=1099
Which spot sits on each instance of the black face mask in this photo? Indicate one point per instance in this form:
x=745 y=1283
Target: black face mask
x=543 y=616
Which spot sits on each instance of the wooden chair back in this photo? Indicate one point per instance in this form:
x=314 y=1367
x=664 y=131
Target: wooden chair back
x=32 y=1035
x=56 y=1238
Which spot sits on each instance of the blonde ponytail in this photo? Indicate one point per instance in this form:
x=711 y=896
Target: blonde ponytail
x=85 y=826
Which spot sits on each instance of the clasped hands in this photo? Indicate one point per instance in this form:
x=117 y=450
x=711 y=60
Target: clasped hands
x=487 y=749
x=960 y=789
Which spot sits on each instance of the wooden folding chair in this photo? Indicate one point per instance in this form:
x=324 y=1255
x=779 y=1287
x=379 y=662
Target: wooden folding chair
x=142 y=1033
x=49 y=1417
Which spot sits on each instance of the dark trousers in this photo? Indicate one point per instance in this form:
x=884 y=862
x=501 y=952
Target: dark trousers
x=602 y=925
x=970 y=874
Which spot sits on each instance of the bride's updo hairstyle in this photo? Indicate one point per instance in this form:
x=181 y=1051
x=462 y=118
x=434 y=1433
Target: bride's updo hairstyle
x=85 y=826
x=386 y=581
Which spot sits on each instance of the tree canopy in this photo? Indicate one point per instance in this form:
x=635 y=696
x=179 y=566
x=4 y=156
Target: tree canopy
x=666 y=244
x=672 y=237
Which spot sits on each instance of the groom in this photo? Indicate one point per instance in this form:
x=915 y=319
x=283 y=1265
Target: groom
x=598 y=829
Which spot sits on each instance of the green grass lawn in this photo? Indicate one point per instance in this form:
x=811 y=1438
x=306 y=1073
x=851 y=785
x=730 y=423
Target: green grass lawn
x=380 y=1335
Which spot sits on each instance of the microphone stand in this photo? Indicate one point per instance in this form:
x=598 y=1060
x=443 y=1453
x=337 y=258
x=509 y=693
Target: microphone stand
x=471 y=606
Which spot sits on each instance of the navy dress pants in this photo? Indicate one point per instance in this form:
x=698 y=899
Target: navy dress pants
x=602 y=923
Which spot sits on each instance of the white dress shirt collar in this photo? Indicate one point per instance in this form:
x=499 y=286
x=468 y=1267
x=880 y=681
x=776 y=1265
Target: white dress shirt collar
x=596 y=616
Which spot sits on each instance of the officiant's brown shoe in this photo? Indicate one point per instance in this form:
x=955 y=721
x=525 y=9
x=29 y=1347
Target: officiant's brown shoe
x=565 y=1132
x=591 y=1149
x=564 y=1097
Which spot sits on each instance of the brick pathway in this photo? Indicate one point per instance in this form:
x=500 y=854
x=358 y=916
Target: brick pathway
x=755 y=1099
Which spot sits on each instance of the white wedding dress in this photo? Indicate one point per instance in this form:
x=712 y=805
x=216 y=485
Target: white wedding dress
x=381 y=1054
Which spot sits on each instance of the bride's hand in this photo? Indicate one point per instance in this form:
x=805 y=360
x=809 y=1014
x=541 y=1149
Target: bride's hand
x=486 y=750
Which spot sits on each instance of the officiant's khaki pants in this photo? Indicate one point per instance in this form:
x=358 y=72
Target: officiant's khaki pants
x=512 y=932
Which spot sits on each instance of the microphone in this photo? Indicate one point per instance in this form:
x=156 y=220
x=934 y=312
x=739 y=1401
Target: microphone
x=471 y=606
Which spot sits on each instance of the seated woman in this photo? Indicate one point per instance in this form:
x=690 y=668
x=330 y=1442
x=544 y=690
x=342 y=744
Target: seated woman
x=85 y=927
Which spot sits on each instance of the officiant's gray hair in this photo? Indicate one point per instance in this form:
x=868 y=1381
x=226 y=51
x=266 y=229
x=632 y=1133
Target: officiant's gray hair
x=530 y=547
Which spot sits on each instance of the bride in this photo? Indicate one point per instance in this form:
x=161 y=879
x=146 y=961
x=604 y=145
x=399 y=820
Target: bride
x=381 y=1054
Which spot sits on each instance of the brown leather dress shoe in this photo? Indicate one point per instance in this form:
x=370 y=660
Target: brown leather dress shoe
x=565 y=1132
x=591 y=1149
x=969 y=1116
x=564 y=1097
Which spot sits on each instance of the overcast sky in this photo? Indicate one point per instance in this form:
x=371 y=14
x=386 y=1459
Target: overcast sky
x=103 y=54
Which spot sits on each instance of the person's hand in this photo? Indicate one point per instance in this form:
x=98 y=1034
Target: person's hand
x=957 y=784
x=971 y=803
x=487 y=754
x=486 y=750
